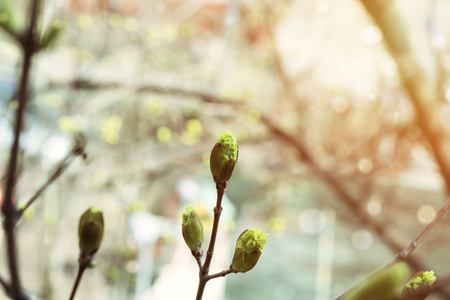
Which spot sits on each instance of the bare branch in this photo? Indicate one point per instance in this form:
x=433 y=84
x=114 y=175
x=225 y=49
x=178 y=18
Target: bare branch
x=336 y=186
x=220 y=274
x=5 y=285
x=425 y=105
x=8 y=290
x=204 y=270
x=8 y=208
x=386 y=16
x=401 y=256
x=149 y=88
x=77 y=149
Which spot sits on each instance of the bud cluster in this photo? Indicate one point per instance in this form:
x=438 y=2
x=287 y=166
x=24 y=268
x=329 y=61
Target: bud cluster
x=250 y=243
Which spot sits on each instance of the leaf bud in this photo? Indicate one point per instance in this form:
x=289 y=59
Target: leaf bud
x=418 y=286
x=192 y=231
x=90 y=231
x=224 y=156
x=248 y=250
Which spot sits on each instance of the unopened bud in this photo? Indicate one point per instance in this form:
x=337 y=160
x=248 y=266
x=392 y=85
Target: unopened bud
x=90 y=231
x=224 y=156
x=248 y=249
x=192 y=230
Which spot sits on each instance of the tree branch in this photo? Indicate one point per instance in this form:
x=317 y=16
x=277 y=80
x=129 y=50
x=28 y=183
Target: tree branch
x=81 y=268
x=401 y=256
x=204 y=270
x=424 y=103
x=4 y=284
x=148 y=88
x=220 y=274
x=8 y=290
x=335 y=185
x=397 y=42
x=8 y=207
x=77 y=149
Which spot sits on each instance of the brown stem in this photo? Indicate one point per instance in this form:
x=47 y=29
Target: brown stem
x=16 y=287
x=425 y=105
x=81 y=268
x=77 y=149
x=149 y=88
x=395 y=35
x=416 y=242
x=4 y=284
x=401 y=256
x=306 y=157
x=201 y=287
x=348 y=199
x=220 y=274
x=8 y=208
x=204 y=270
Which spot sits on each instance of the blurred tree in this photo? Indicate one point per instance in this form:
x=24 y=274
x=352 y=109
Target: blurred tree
x=336 y=107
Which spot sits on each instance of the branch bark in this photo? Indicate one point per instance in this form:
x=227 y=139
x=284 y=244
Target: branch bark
x=77 y=149
x=81 y=268
x=8 y=207
x=204 y=270
x=401 y=256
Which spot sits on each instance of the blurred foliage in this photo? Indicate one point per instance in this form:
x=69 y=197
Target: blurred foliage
x=150 y=82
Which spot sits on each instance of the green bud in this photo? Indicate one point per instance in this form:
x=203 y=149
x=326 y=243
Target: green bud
x=418 y=286
x=90 y=231
x=248 y=250
x=51 y=34
x=384 y=284
x=192 y=231
x=224 y=156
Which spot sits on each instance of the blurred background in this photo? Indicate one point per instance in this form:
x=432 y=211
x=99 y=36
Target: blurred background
x=337 y=161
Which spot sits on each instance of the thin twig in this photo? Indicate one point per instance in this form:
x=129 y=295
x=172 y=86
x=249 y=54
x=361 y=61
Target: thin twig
x=77 y=149
x=401 y=256
x=217 y=212
x=351 y=203
x=337 y=187
x=305 y=156
x=81 y=268
x=149 y=88
x=27 y=295
x=4 y=284
x=204 y=270
x=386 y=17
x=8 y=208
x=408 y=250
x=220 y=274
